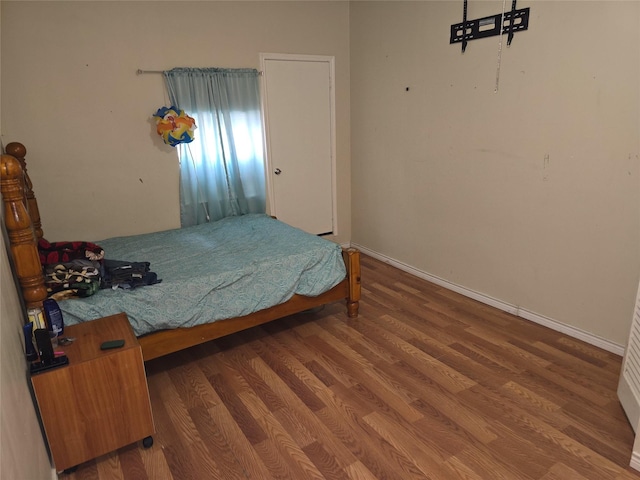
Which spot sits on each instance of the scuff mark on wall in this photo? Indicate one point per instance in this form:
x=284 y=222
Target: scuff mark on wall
x=633 y=159
x=545 y=164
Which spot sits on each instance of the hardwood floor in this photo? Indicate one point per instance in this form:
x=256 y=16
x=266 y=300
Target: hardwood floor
x=425 y=384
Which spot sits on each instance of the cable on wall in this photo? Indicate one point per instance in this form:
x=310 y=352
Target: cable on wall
x=504 y=6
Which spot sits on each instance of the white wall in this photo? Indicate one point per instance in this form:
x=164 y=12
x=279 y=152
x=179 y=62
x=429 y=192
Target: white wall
x=23 y=454
x=71 y=95
x=530 y=195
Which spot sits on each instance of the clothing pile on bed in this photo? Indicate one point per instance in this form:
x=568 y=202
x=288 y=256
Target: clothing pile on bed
x=80 y=269
x=127 y=275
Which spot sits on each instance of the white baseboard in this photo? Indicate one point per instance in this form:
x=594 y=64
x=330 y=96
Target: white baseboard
x=506 y=307
x=635 y=461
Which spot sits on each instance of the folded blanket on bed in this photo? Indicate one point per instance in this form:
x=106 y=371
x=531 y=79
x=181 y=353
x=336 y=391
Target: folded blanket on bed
x=80 y=276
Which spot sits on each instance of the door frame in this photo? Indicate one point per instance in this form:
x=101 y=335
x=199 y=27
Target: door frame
x=330 y=60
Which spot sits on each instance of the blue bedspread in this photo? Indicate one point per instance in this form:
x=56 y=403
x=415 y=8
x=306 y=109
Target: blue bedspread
x=213 y=271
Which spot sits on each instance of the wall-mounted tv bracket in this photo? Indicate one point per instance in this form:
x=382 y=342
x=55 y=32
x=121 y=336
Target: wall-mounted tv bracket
x=514 y=21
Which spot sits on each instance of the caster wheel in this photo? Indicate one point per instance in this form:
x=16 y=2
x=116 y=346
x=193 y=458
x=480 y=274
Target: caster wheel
x=147 y=442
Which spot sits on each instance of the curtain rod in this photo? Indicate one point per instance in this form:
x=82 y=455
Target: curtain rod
x=143 y=72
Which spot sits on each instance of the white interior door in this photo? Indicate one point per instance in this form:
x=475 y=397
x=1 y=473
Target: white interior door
x=299 y=103
x=629 y=384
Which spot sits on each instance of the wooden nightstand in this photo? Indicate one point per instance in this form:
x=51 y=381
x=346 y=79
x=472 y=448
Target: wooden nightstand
x=100 y=401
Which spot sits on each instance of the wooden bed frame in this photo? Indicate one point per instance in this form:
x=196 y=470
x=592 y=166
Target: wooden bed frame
x=24 y=229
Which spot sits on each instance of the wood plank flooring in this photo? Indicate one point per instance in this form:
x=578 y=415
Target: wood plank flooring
x=424 y=384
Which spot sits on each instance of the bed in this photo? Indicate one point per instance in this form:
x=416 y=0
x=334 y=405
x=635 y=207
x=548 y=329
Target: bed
x=326 y=273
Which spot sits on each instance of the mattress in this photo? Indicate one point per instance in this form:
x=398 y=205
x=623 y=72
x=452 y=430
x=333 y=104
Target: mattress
x=214 y=271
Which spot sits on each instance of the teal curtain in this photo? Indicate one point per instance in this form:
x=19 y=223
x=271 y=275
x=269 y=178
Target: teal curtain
x=222 y=169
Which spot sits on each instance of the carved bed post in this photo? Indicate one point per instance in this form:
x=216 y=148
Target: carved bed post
x=19 y=151
x=20 y=231
x=352 y=261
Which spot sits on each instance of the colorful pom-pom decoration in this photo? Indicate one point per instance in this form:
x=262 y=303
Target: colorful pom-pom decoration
x=174 y=126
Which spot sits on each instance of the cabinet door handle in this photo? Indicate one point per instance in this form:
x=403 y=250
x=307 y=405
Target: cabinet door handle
x=277 y=171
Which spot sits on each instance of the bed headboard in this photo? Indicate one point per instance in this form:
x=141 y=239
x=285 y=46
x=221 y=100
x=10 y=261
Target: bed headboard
x=22 y=222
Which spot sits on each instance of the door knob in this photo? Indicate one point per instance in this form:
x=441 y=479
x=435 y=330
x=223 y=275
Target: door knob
x=278 y=171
